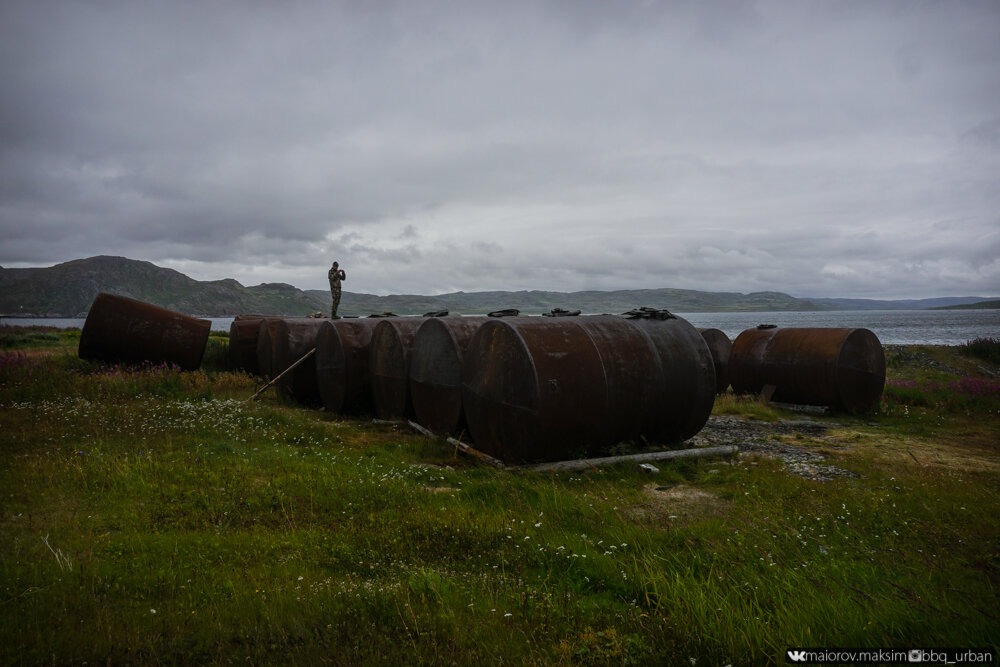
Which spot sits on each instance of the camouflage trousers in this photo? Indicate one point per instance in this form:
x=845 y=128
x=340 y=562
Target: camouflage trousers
x=336 y=301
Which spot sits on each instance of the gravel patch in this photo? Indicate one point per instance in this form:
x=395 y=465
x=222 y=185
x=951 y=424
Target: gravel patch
x=757 y=437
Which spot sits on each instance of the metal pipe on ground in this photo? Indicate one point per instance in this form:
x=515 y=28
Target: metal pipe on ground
x=721 y=348
x=840 y=368
x=295 y=336
x=435 y=374
x=388 y=365
x=123 y=330
x=538 y=389
x=587 y=464
x=342 y=374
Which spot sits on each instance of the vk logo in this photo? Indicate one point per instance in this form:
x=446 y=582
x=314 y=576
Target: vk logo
x=796 y=656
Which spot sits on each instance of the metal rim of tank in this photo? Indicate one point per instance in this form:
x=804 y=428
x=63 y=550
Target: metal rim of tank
x=721 y=348
x=487 y=386
x=860 y=371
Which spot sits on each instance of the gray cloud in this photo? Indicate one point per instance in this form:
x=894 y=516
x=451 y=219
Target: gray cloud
x=826 y=149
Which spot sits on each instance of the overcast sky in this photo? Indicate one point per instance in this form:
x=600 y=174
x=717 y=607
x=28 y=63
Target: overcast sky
x=815 y=148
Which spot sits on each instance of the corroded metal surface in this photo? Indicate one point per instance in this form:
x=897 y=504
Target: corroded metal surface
x=539 y=389
x=123 y=330
x=342 y=373
x=721 y=348
x=243 y=334
x=436 y=371
x=841 y=368
x=295 y=336
x=266 y=335
x=388 y=365
x=686 y=379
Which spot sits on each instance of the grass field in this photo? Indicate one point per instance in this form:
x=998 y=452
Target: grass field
x=153 y=516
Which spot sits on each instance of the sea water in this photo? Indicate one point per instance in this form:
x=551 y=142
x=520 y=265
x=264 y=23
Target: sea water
x=893 y=327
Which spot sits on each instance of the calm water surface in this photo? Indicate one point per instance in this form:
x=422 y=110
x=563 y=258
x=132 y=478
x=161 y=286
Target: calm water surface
x=903 y=327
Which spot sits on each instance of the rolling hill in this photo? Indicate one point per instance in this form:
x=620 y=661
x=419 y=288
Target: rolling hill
x=68 y=289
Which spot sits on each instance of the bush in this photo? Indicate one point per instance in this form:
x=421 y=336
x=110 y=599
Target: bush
x=983 y=348
x=953 y=395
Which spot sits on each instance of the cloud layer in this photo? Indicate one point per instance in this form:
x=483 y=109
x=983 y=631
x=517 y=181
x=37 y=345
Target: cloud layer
x=816 y=148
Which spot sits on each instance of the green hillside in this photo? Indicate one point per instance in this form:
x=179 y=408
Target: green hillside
x=68 y=289
x=979 y=305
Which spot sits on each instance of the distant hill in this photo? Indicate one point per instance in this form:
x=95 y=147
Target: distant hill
x=979 y=305
x=898 y=304
x=68 y=289
x=536 y=302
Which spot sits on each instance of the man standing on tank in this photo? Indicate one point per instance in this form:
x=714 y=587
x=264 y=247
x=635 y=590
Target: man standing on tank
x=335 y=274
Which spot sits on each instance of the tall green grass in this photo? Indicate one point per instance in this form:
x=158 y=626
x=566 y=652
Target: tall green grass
x=152 y=515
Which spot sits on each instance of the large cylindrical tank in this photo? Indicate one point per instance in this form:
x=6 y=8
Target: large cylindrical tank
x=436 y=371
x=342 y=365
x=294 y=337
x=721 y=348
x=840 y=368
x=243 y=334
x=539 y=389
x=388 y=365
x=123 y=330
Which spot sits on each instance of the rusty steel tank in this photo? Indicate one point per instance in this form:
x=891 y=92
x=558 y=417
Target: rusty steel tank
x=342 y=365
x=721 y=348
x=389 y=366
x=294 y=337
x=123 y=330
x=436 y=371
x=266 y=335
x=537 y=389
x=840 y=368
x=243 y=334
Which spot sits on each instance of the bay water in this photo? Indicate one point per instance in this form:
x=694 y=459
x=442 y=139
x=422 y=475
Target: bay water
x=893 y=327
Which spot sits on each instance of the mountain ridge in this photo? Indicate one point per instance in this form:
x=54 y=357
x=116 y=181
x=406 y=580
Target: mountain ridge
x=68 y=289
